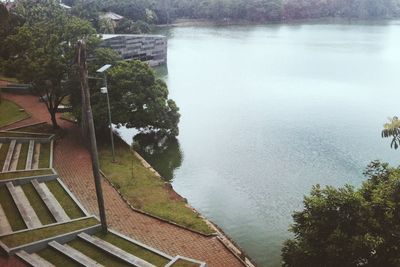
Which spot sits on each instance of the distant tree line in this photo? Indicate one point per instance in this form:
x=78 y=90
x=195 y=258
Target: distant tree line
x=167 y=11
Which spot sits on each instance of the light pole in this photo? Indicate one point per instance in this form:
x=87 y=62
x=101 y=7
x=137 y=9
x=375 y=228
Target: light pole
x=104 y=90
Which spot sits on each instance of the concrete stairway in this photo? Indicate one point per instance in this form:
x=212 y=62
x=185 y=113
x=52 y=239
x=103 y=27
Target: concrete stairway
x=50 y=201
x=34 y=259
x=74 y=254
x=115 y=251
x=24 y=207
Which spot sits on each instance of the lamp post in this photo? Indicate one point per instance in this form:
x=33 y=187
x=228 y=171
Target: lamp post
x=104 y=90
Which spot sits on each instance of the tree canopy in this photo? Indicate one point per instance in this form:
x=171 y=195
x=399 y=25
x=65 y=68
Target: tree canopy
x=41 y=50
x=138 y=99
x=348 y=226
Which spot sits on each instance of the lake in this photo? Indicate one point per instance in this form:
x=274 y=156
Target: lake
x=268 y=111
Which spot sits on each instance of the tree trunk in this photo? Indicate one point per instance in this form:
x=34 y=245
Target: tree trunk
x=54 y=120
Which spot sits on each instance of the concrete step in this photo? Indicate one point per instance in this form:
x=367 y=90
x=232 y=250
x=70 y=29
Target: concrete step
x=15 y=157
x=10 y=153
x=28 y=214
x=36 y=155
x=33 y=259
x=5 y=226
x=51 y=202
x=28 y=165
x=115 y=251
x=74 y=254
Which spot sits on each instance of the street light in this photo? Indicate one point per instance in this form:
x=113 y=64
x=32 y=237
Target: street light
x=104 y=90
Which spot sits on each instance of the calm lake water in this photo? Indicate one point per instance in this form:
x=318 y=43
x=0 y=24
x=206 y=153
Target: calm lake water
x=269 y=111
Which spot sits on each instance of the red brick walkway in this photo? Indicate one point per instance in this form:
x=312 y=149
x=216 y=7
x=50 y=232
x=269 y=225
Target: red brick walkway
x=72 y=162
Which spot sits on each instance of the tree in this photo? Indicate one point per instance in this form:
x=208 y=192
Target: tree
x=348 y=226
x=392 y=130
x=42 y=50
x=138 y=99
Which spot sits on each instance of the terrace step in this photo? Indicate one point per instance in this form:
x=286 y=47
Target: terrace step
x=25 y=209
x=28 y=165
x=10 y=153
x=33 y=259
x=51 y=202
x=115 y=251
x=36 y=155
x=74 y=254
x=15 y=157
x=5 y=226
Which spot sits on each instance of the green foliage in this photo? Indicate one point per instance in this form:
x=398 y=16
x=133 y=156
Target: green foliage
x=348 y=226
x=42 y=49
x=137 y=98
x=392 y=130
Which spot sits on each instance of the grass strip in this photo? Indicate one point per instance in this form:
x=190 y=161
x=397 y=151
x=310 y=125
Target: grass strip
x=144 y=190
x=21 y=174
x=184 y=263
x=12 y=111
x=10 y=209
x=18 y=239
x=57 y=258
x=23 y=155
x=134 y=249
x=68 y=204
x=44 y=159
x=97 y=254
x=38 y=205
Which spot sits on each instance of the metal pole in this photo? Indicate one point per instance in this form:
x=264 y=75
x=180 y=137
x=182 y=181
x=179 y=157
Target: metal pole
x=109 y=120
x=81 y=60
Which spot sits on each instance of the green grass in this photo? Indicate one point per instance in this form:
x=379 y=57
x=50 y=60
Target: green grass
x=68 y=116
x=20 y=174
x=68 y=204
x=57 y=258
x=38 y=205
x=10 y=113
x=44 y=159
x=184 y=263
x=8 y=79
x=43 y=128
x=97 y=254
x=134 y=249
x=146 y=191
x=10 y=209
x=3 y=154
x=27 y=237
x=23 y=154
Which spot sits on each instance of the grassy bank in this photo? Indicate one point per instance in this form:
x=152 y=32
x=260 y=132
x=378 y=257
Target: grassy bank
x=12 y=112
x=146 y=191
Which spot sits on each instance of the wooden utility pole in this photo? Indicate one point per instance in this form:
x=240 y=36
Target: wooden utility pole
x=81 y=61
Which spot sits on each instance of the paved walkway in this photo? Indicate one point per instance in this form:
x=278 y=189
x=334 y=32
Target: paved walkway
x=72 y=162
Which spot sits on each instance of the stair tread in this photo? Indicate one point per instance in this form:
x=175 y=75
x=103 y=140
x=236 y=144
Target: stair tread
x=74 y=254
x=115 y=251
x=50 y=201
x=15 y=157
x=36 y=156
x=28 y=165
x=10 y=153
x=5 y=226
x=33 y=259
x=28 y=214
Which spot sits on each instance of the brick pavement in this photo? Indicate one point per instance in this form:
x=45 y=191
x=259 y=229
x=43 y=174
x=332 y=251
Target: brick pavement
x=72 y=162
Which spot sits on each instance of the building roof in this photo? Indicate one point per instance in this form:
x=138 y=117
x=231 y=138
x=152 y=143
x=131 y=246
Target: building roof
x=112 y=16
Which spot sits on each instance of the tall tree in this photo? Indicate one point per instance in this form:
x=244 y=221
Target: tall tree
x=348 y=226
x=42 y=50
